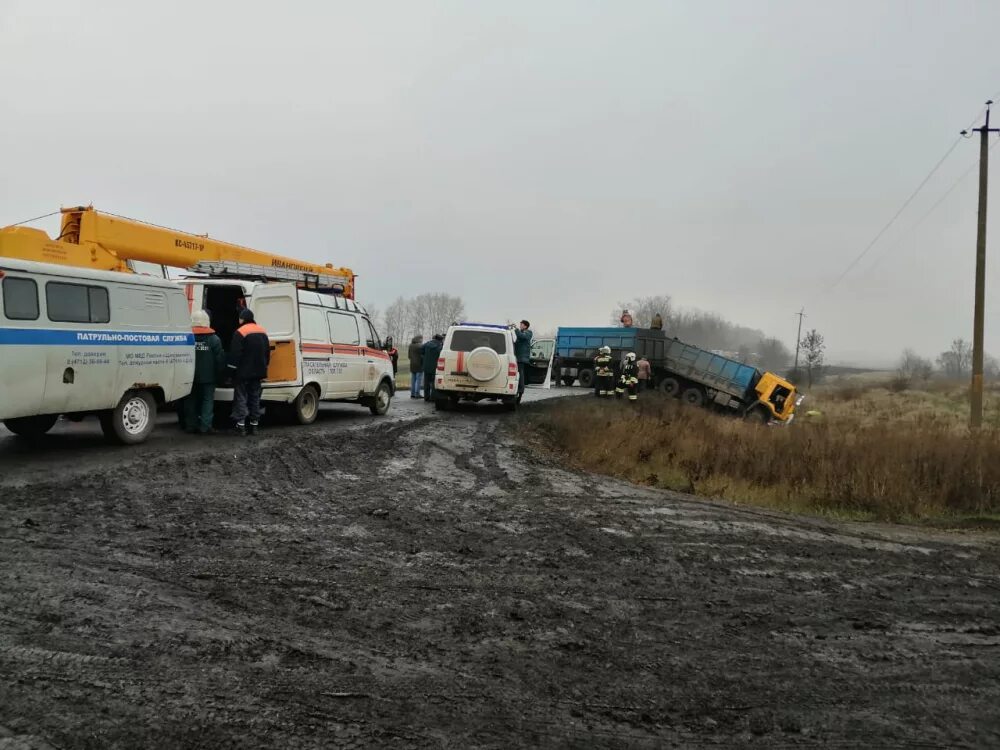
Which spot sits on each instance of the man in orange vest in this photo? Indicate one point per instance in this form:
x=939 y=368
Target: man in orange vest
x=249 y=356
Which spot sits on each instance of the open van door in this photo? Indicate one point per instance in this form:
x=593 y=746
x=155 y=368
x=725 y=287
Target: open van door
x=276 y=309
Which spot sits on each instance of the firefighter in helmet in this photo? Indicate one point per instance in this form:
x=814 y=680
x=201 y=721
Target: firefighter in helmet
x=604 y=375
x=629 y=380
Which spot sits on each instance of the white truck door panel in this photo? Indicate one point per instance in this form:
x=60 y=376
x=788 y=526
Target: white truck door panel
x=275 y=308
x=346 y=359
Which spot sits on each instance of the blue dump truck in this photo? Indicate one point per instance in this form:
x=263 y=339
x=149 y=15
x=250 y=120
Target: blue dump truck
x=696 y=376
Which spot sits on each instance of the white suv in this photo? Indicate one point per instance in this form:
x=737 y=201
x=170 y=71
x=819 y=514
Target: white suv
x=477 y=361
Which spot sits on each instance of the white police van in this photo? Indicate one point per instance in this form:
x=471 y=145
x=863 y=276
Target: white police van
x=78 y=342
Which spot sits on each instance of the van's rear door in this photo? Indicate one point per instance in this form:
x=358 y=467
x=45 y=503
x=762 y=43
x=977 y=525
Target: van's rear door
x=276 y=309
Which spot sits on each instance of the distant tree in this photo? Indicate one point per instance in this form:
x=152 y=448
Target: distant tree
x=912 y=369
x=442 y=310
x=397 y=322
x=425 y=314
x=957 y=361
x=813 y=347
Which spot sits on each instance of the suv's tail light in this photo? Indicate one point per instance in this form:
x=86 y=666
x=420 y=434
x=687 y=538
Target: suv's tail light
x=440 y=364
x=511 y=369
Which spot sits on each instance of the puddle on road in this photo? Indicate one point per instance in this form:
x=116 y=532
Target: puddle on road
x=786 y=532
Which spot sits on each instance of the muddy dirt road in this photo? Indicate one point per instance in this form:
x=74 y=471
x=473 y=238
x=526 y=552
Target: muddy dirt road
x=431 y=582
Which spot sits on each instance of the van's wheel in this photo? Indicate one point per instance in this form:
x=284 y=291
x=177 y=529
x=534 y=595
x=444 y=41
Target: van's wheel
x=381 y=400
x=671 y=387
x=442 y=403
x=510 y=403
x=31 y=427
x=757 y=415
x=305 y=407
x=132 y=420
x=568 y=380
x=693 y=396
x=586 y=378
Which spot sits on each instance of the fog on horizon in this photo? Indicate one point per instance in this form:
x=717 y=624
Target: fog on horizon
x=542 y=160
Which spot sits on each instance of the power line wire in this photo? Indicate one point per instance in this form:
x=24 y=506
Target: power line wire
x=932 y=209
x=896 y=215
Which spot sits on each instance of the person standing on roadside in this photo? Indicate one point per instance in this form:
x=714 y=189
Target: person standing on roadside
x=209 y=361
x=416 y=365
x=430 y=353
x=604 y=376
x=249 y=356
x=522 y=352
x=644 y=373
x=394 y=358
x=629 y=379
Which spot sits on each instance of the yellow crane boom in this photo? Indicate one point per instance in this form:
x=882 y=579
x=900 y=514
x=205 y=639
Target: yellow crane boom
x=91 y=239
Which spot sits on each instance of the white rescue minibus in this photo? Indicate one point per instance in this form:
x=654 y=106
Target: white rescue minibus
x=323 y=346
x=77 y=342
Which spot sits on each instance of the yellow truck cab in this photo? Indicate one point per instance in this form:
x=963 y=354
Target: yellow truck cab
x=776 y=399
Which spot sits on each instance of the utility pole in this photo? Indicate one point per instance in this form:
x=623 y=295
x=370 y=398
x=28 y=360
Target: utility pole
x=976 y=395
x=798 y=339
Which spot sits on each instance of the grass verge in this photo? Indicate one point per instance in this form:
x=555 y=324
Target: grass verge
x=923 y=470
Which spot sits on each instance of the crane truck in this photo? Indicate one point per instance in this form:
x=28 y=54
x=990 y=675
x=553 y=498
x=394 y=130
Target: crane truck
x=105 y=242
x=324 y=346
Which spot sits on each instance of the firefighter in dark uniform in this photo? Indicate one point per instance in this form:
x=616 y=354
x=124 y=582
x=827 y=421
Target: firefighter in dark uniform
x=629 y=380
x=604 y=375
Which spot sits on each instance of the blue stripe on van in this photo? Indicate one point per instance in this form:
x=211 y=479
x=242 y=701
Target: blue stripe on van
x=48 y=337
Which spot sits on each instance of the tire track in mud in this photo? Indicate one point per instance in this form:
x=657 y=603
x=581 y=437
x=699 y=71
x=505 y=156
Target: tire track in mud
x=436 y=584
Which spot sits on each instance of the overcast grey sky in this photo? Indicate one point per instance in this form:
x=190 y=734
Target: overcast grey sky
x=543 y=159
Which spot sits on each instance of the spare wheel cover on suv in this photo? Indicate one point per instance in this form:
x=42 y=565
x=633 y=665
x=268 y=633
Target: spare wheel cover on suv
x=483 y=364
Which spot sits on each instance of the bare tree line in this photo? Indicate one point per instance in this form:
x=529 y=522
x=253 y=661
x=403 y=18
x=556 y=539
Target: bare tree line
x=423 y=315
x=709 y=331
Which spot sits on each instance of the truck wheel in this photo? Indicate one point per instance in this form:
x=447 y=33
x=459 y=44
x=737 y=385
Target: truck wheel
x=693 y=396
x=31 y=427
x=381 y=400
x=510 y=404
x=442 y=403
x=757 y=415
x=305 y=407
x=568 y=380
x=586 y=378
x=131 y=421
x=671 y=387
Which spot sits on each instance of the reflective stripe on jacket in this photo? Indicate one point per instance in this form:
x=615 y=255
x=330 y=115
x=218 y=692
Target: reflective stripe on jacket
x=603 y=363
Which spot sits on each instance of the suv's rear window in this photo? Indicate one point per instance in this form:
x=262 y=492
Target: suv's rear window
x=466 y=341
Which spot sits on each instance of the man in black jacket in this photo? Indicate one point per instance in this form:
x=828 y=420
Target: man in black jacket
x=429 y=356
x=249 y=356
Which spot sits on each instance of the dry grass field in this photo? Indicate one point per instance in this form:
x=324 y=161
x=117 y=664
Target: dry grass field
x=857 y=450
